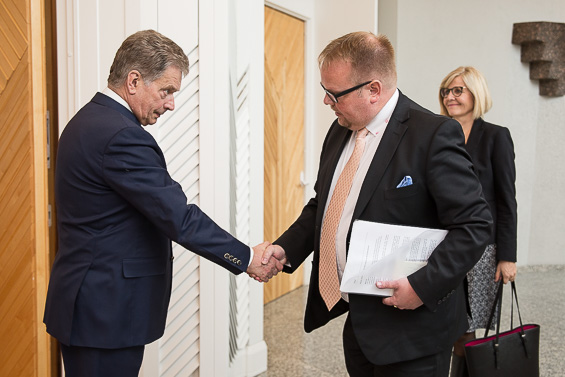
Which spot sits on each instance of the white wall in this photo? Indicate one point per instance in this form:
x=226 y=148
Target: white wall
x=335 y=18
x=434 y=37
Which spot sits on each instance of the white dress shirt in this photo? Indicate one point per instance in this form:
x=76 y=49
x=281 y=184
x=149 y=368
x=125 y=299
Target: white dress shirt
x=376 y=128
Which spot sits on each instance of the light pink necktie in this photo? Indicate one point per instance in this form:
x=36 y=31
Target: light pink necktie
x=328 y=279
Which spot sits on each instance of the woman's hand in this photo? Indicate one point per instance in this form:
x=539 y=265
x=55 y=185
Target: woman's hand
x=506 y=270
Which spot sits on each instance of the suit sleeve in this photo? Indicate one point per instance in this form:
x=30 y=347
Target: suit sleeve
x=461 y=210
x=134 y=166
x=298 y=240
x=504 y=174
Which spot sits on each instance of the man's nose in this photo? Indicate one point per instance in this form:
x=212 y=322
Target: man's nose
x=170 y=104
x=327 y=100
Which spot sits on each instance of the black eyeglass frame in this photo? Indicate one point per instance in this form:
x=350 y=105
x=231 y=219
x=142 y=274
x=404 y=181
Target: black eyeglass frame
x=334 y=97
x=444 y=92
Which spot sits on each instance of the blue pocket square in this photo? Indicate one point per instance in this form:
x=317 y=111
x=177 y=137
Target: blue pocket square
x=406 y=181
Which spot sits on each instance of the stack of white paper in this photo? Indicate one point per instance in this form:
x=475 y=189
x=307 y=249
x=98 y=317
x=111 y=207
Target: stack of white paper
x=384 y=252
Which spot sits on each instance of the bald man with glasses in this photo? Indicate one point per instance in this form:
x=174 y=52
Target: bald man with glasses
x=386 y=159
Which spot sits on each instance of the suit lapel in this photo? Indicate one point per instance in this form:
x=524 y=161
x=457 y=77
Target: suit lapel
x=475 y=136
x=387 y=147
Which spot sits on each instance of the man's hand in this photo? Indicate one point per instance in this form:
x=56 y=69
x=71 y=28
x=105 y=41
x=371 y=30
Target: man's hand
x=275 y=251
x=262 y=272
x=403 y=296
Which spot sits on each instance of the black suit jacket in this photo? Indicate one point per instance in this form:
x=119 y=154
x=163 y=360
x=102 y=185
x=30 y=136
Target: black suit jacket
x=492 y=152
x=445 y=194
x=118 y=210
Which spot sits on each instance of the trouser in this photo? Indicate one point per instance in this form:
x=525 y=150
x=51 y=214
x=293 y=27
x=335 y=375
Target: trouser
x=436 y=365
x=101 y=362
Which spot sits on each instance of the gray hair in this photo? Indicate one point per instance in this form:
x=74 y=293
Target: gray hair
x=148 y=52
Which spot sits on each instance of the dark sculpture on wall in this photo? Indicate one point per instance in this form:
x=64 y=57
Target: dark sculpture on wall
x=543 y=46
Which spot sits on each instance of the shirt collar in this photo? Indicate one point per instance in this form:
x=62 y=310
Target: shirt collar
x=115 y=96
x=380 y=121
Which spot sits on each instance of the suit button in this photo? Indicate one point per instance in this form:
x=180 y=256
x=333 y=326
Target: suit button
x=239 y=262
x=227 y=255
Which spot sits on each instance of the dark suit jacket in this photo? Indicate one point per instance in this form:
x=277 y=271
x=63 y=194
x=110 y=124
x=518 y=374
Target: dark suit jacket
x=492 y=152
x=445 y=194
x=118 y=210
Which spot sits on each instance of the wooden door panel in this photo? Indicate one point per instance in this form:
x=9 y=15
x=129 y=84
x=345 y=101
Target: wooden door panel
x=17 y=289
x=25 y=348
x=284 y=134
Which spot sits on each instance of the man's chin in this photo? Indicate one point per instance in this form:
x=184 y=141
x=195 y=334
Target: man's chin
x=348 y=125
x=342 y=122
x=154 y=119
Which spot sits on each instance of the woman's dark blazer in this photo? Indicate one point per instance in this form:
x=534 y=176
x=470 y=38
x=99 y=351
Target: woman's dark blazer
x=492 y=152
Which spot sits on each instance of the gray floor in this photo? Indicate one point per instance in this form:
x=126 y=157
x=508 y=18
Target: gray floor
x=292 y=352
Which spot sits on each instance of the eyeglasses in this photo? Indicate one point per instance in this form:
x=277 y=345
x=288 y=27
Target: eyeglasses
x=334 y=97
x=456 y=90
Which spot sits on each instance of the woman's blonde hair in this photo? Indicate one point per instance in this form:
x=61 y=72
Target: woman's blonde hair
x=475 y=83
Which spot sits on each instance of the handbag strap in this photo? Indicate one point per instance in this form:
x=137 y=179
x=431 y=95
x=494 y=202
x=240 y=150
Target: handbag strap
x=512 y=294
x=497 y=300
x=515 y=295
x=522 y=332
x=495 y=306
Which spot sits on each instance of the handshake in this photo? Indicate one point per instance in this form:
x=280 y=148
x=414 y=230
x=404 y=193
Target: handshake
x=268 y=260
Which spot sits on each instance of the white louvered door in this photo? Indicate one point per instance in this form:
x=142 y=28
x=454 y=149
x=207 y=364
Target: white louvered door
x=179 y=348
x=209 y=331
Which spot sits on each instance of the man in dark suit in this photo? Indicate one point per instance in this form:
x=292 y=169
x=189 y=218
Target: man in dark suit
x=118 y=210
x=413 y=170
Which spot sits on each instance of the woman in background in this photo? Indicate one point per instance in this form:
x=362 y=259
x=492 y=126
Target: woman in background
x=464 y=96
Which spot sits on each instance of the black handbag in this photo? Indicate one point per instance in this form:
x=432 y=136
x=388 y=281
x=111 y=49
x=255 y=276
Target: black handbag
x=512 y=353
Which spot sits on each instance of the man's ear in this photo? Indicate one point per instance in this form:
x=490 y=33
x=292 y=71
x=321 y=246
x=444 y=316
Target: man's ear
x=376 y=89
x=133 y=81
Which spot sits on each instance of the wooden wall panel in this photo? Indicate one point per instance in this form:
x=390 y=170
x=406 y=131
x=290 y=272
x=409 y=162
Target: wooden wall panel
x=17 y=316
x=13 y=38
x=24 y=347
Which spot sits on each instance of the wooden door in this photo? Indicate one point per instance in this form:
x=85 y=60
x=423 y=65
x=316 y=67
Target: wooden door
x=24 y=234
x=284 y=134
